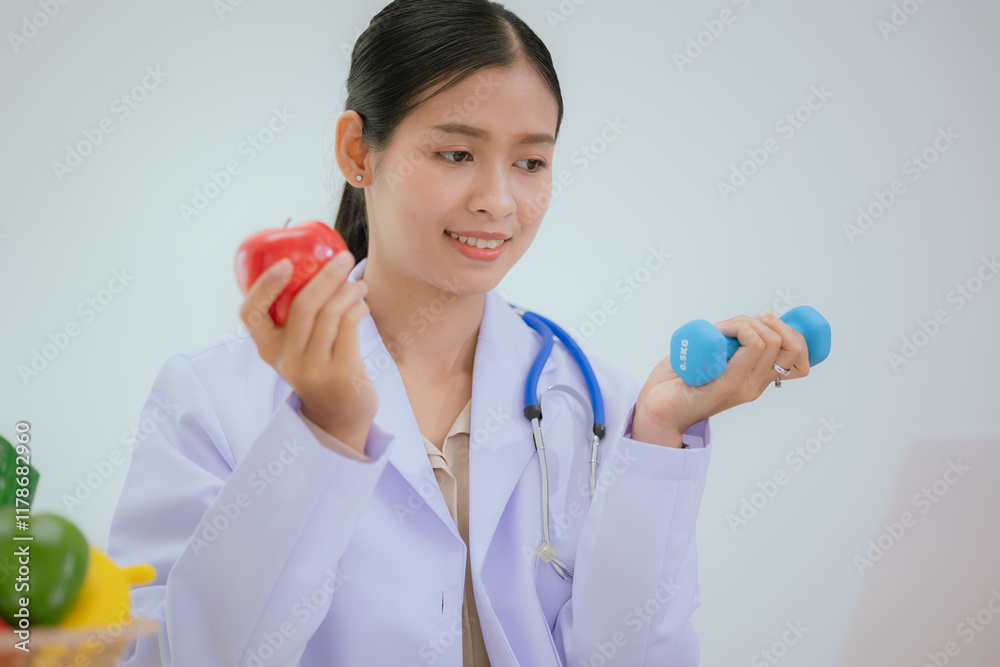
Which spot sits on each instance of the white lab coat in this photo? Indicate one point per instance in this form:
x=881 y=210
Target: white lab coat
x=271 y=549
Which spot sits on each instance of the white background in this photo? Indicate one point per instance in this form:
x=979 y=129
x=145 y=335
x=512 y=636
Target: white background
x=686 y=126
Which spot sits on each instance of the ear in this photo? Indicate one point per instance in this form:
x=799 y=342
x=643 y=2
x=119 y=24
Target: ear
x=352 y=154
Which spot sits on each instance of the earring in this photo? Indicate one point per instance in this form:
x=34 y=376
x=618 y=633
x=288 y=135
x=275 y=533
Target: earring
x=358 y=178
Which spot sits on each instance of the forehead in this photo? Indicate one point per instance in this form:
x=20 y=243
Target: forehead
x=502 y=101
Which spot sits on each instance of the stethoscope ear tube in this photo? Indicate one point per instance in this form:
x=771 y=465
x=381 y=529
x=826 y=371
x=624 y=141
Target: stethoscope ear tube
x=547 y=328
x=532 y=406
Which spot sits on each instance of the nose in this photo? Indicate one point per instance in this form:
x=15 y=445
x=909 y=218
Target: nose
x=492 y=192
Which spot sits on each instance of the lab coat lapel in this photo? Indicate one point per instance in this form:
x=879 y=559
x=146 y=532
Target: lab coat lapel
x=408 y=454
x=395 y=415
x=499 y=435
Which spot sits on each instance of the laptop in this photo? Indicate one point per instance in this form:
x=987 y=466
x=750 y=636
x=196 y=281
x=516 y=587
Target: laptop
x=930 y=575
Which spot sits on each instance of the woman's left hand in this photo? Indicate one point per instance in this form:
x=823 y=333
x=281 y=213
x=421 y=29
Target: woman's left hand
x=667 y=406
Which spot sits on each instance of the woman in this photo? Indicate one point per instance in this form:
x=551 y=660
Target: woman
x=359 y=487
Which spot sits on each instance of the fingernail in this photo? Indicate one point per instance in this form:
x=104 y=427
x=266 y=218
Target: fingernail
x=344 y=258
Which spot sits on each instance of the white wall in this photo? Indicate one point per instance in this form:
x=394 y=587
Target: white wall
x=783 y=232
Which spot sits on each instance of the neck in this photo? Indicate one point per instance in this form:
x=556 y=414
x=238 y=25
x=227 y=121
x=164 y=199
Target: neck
x=429 y=331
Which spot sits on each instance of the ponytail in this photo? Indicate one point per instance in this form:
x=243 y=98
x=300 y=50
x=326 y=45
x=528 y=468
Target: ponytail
x=352 y=221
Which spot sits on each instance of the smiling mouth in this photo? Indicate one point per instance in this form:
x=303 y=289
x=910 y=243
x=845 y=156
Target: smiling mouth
x=477 y=243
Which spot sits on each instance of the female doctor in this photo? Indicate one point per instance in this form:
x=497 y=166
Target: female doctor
x=359 y=487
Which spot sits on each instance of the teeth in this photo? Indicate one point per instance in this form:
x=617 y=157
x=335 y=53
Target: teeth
x=477 y=243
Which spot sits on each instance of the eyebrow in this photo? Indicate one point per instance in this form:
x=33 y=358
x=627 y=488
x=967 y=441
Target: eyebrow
x=458 y=128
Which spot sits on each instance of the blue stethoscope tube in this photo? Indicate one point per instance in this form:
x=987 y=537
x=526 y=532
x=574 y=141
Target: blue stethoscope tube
x=549 y=330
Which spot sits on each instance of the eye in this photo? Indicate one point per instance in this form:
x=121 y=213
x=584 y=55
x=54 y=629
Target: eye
x=533 y=168
x=447 y=153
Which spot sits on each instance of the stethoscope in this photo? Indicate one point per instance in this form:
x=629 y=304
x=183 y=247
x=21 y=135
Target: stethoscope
x=533 y=412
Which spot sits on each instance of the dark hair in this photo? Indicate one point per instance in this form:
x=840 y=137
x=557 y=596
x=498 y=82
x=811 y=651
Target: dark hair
x=412 y=46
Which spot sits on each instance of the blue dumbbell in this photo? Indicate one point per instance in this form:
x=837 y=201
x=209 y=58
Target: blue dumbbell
x=699 y=351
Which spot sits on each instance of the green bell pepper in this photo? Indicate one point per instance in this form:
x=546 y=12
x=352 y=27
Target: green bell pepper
x=48 y=570
x=8 y=475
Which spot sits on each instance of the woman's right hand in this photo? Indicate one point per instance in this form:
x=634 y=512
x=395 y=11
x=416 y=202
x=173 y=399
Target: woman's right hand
x=316 y=351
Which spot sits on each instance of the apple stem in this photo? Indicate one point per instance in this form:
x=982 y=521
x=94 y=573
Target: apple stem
x=286 y=223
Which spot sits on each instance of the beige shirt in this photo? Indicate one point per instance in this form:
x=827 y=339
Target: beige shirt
x=451 y=468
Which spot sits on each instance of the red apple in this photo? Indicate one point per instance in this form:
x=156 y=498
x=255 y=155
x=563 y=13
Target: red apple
x=309 y=246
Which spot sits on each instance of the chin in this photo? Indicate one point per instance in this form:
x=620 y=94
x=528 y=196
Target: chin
x=464 y=283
